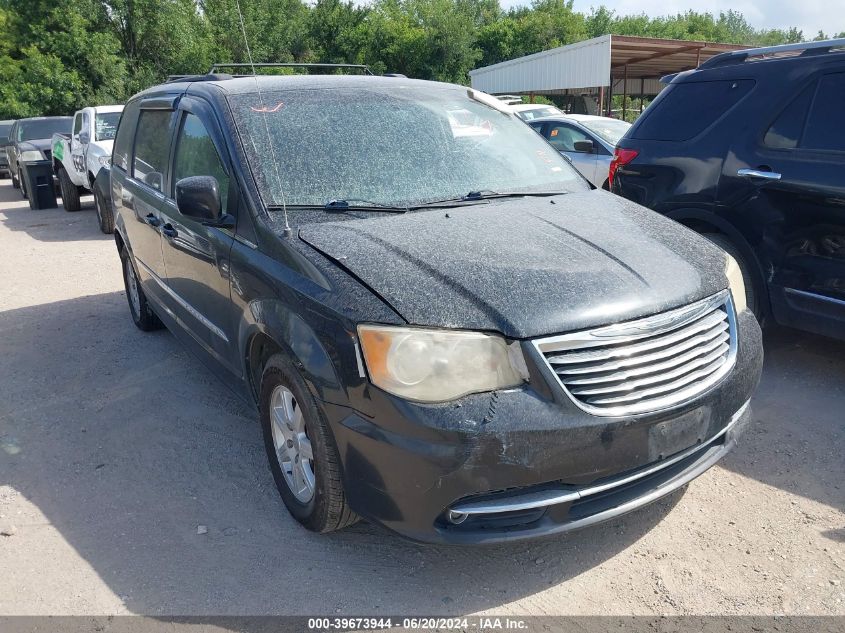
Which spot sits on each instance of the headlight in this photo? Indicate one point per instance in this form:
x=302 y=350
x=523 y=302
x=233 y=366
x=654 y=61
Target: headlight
x=736 y=284
x=31 y=155
x=105 y=161
x=438 y=365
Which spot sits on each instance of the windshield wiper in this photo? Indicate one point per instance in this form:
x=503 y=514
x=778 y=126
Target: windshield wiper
x=338 y=206
x=477 y=196
x=353 y=204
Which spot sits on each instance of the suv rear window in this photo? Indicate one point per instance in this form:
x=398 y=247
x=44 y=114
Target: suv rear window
x=689 y=108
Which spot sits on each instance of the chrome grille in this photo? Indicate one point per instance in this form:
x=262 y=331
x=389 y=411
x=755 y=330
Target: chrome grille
x=649 y=364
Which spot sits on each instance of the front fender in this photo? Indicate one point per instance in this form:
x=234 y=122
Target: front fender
x=290 y=332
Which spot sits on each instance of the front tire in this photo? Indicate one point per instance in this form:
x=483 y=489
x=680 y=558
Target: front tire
x=70 y=192
x=105 y=216
x=22 y=187
x=139 y=308
x=301 y=450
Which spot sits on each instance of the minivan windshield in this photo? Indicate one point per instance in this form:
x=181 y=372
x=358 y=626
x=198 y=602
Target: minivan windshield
x=398 y=146
x=611 y=130
x=106 y=125
x=43 y=128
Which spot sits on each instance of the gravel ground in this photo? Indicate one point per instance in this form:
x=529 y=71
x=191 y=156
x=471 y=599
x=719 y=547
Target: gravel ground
x=116 y=445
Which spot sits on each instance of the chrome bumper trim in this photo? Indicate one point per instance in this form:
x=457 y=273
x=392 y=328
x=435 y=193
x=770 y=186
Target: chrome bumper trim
x=545 y=498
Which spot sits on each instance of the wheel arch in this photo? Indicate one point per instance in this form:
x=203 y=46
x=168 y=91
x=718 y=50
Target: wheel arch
x=273 y=328
x=705 y=222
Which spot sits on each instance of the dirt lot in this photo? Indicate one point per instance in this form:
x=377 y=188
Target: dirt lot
x=115 y=445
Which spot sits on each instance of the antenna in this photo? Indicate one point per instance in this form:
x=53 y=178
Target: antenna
x=287 y=232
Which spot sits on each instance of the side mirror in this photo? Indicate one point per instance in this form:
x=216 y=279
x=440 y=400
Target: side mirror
x=586 y=147
x=84 y=138
x=199 y=197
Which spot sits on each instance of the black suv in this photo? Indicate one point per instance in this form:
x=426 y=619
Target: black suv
x=750 y=150
x=444 y=328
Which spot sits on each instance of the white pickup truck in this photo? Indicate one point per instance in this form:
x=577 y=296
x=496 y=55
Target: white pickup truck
x=79 y=157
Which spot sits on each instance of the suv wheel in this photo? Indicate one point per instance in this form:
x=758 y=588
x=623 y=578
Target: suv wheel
x=301 y=451
x=142 y=314
x=70 y=192
x=751 y=289
x=105 y=217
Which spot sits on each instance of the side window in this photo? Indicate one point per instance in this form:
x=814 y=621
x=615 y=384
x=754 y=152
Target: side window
x=152 y=147
x=197 y=156
x=85 y=126
x=563 y=137
x=123 y=140
x=786 y=131
x=77 y=123
x=825 y=130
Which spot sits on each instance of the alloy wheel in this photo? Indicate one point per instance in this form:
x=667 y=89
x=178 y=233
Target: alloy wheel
x=132 y=288
x=293 y=447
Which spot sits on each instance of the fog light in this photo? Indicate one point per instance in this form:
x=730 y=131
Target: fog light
x=456 y=517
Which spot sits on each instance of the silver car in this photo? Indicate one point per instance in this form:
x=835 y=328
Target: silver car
x=587 y=141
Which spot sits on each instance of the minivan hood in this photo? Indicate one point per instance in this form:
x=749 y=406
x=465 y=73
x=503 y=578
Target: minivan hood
x=526 y=267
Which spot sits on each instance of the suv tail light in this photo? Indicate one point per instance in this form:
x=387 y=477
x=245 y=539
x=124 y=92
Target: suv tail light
x=620 y=158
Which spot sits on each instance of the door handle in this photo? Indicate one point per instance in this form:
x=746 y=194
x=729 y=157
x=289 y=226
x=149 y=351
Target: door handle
x=152 y=220
x=758 y=173
x=168 y=231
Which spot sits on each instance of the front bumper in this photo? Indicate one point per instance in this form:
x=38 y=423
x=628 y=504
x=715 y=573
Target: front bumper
x=527 y=462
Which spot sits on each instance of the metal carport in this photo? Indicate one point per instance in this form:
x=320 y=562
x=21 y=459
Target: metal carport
x=599 y=66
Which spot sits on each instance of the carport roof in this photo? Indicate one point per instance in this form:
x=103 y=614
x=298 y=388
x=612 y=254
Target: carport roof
x=592 y=63
x=651 y=57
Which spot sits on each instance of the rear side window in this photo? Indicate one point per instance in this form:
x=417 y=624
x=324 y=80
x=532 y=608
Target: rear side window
x=123 y=140
x=689 y=108
x=152 y=147
x=563 y=137
x=825 y=129
x=786 y=131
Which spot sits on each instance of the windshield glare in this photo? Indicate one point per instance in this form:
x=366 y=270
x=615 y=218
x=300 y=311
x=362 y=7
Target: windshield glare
x=400 y=146
x=611 y=130
x=106 y=125
x=43 y=129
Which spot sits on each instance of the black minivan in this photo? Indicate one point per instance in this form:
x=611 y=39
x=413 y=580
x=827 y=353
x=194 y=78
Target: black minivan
x=749 y=149
x=444 y=327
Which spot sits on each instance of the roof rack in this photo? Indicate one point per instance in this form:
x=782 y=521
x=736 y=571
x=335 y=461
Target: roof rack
x=215 y=77
x=807 y=48
x=362 y=67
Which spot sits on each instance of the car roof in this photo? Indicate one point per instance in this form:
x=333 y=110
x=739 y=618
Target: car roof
x=42 y=118
x=522 y=107
x=105 y=109
x=575 y=118
x=273 y=83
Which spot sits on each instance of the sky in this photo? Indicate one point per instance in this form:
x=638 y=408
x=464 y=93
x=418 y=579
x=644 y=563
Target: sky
x=807 y=15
